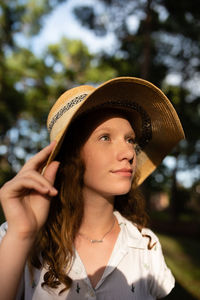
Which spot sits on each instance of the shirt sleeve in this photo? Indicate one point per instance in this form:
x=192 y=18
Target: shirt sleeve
x=161 y=281
x=3 y=230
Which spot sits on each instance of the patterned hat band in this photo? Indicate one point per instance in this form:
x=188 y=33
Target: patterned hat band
x=65 y=109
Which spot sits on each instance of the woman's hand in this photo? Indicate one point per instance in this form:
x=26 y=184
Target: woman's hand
x=26 y=198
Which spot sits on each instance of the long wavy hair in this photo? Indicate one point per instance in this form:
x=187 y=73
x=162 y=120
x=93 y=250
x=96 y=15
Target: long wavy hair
x=54 y=245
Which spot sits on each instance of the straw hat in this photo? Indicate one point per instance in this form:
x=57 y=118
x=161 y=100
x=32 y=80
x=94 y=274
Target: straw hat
x=158 y=128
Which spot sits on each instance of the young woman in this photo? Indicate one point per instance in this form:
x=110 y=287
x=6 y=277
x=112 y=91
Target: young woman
x=75 y=218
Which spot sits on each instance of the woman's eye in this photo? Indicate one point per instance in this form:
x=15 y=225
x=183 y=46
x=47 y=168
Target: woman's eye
x=104 y=138
x=131 y=140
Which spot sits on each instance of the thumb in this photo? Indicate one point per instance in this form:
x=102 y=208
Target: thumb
x=51 y=170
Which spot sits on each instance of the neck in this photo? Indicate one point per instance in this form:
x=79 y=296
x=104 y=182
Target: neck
x=98 y=213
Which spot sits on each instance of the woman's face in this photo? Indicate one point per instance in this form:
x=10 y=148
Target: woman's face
x=109 y=157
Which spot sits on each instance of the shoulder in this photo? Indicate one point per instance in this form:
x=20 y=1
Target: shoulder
x=159 y=277
x=141 y=239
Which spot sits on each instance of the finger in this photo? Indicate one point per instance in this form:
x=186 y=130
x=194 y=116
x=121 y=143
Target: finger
x=39 y=159
x=50 y=171
x=40 y=179
x=23 y=187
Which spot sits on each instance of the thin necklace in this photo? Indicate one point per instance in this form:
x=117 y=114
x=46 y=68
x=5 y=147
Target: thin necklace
x=95 y=240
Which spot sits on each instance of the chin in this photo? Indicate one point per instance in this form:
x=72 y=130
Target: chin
x=121 y=191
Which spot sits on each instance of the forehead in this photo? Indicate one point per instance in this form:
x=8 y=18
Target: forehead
x=104 y=116
x=113 y=122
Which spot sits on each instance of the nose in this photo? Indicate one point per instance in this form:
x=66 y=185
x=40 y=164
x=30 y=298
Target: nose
x=125 y=151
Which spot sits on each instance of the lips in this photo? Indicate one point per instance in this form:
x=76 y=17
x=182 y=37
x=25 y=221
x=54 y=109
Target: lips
x=123 y=172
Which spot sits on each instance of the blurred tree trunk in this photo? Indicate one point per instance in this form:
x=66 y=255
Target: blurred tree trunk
x=174 y=203
x=145 y=67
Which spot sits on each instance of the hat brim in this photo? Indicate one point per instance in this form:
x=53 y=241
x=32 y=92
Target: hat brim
x=130 y=93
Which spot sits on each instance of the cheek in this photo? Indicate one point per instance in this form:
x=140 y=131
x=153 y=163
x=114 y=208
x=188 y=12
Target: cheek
x=89 y=161
x=95 y=163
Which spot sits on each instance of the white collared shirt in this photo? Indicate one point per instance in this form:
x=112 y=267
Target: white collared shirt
x=133 y=272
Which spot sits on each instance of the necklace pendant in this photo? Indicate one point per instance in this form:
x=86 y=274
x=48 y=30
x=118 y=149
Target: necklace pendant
x=96 y=241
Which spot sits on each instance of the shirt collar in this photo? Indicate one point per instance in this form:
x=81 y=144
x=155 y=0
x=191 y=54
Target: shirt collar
x=133 y=236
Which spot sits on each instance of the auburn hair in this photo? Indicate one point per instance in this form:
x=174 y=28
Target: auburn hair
x=54 y=245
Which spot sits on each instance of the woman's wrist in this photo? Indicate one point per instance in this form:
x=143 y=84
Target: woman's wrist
x=22 y=237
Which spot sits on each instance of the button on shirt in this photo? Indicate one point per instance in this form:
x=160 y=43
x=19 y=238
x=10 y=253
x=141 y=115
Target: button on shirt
x=133 y=272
